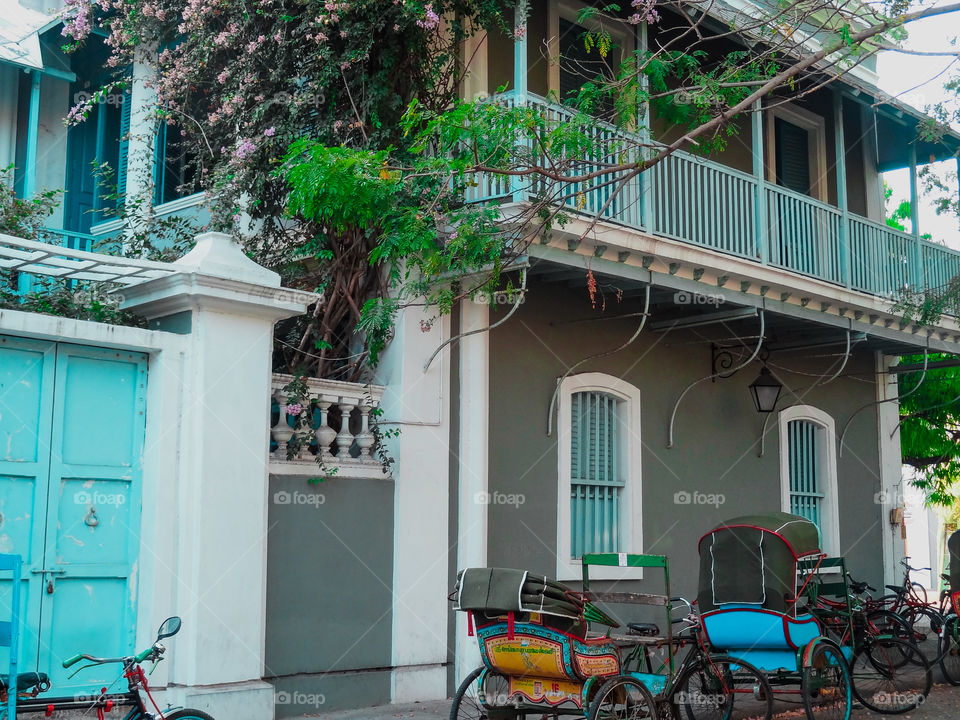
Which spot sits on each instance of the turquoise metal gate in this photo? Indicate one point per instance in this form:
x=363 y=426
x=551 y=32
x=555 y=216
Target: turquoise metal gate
x=72 y=424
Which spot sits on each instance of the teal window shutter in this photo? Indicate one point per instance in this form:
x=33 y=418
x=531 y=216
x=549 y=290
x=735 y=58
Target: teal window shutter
x=792 y=154
x=596 y=480
x=806 y=481
x=124 y=154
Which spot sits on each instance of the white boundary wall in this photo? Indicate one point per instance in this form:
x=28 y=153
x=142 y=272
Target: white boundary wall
x=205 y=484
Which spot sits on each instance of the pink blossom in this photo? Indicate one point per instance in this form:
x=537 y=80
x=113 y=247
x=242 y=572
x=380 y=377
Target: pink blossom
x=244 y=149
x=294 y=409
x=270 y=131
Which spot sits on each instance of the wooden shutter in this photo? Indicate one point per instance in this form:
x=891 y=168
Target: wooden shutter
x=792 y=149
x=806 y=484
x=124 y=155
x=596 y=482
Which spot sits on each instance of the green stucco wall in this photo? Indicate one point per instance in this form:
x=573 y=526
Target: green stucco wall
x=329 y=594
x=717 y=434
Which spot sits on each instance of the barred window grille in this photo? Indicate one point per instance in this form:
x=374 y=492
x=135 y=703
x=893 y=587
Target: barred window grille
x=596 y=479
x=806 y=472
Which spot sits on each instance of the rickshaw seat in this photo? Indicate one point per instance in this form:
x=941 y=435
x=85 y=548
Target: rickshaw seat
x=647 y=629
x=758 y=629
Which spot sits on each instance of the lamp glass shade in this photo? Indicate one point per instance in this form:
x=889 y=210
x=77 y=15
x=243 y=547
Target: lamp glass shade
x=765 y=391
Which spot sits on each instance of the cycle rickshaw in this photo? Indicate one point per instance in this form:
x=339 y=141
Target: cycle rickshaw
x=541 y=658
x=748 y=595
x=950 y=635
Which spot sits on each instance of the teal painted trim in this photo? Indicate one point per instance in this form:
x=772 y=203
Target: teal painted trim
x=33 y=132
x=916 y=276
x=840 y=147
x=520 y=70
x=701 y=202
x=760 y=228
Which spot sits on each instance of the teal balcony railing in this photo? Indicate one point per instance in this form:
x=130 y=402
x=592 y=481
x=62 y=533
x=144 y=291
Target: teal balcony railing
x=698 y=201
x=67 y=238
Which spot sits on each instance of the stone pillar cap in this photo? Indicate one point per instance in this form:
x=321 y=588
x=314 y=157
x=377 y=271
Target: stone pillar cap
x=217 y=254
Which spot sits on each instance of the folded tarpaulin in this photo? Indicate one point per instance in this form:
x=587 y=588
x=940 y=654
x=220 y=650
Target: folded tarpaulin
x=500 y=590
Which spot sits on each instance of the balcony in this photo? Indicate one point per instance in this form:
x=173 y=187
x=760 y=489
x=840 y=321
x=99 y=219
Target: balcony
x=336 y=429
x=697 y=201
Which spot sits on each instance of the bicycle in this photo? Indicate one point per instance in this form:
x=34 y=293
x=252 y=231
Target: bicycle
x=31 y=686
x=889 y=674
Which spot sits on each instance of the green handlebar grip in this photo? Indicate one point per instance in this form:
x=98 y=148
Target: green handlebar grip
x=144 y=655
x=72 y=661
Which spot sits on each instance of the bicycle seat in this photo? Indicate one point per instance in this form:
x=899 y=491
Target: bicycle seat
x=27 y=681
x=647 y=629
x=898 y=589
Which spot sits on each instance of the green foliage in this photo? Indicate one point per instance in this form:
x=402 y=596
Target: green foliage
x=930 y=428
x=24 y=218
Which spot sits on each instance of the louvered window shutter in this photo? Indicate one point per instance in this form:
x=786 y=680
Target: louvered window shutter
x=596 y=481
x=792 y=145
x=806 y=481
x=124 y=154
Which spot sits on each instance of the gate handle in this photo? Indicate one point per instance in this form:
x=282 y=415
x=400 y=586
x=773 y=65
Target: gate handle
x=56 y=571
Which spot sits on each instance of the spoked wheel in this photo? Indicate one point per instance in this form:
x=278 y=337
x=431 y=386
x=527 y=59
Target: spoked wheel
x=950 y=649
x=722 y=688
x=825 y=685
x=925 y=626
x=622 y=698
x=480 y=701
x=885 y=624
x=884 y=683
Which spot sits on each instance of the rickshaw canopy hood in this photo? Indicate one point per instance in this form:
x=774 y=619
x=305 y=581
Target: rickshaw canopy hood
x=752 y=561
x=801 y=535
x=953 y=545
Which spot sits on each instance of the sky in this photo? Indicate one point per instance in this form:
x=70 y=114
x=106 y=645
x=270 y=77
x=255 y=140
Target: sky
x=901 y=73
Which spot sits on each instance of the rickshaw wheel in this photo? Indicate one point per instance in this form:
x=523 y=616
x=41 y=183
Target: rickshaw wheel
x=469 y=705
x=950 y=650
x=722 y=688
x=623 y=698
x=825 y=685
x=886 y=684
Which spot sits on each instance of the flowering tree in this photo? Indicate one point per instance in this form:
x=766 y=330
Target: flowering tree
x=335 y=128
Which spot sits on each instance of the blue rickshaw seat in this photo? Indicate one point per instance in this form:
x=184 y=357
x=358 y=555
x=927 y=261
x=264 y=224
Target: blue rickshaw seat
x=758 y=629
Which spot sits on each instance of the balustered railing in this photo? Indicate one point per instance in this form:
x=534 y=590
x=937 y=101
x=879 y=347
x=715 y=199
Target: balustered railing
x=704 y=203
x=332 y=429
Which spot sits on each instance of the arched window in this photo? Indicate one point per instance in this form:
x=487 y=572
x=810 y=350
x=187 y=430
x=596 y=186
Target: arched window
x=599 y=508
x=808 y=470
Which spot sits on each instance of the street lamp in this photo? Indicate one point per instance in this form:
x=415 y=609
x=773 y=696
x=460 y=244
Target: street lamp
x=765 y=391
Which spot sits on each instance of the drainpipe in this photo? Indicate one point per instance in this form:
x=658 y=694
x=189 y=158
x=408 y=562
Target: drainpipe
x=840 y=148
x=33 y=131
x=918 y=283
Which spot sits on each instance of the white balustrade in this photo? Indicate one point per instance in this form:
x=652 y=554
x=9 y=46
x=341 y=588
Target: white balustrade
x=334 y=426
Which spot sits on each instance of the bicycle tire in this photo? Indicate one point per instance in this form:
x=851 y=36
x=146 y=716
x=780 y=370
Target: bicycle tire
x=950 y=650
x=883 y=683
x=754 y=699
x=188 y=714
